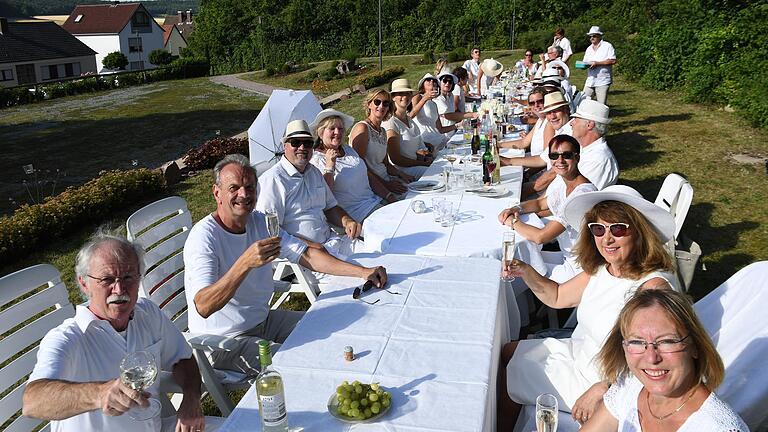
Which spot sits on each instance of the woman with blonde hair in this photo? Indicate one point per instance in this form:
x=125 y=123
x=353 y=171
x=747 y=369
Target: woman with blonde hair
x=369 y=139
x=405 y=145
x=663 y=370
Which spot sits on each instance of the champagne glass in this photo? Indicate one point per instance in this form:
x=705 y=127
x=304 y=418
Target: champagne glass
x=451 y=158
x=273 y=222
x=138 y=371
x=546 y=413
x=508 y=254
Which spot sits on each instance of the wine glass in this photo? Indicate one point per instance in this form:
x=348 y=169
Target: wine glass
x=508 y=254
x=272 y=221
x=138 y=371
x=491 y=164
x=451 y=158
x=546 y=413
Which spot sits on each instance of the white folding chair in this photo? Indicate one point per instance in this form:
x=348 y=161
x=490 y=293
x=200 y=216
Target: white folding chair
x=734 y=317
x=32 y=302
x=675 y=196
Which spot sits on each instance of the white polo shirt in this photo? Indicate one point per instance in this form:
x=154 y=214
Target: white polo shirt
x=445 y=104
x=88 y=349
x=459 y=91
x=473 y=70
x=299 y=199
x=209 y=252
x=599 y=75
x=598 y=164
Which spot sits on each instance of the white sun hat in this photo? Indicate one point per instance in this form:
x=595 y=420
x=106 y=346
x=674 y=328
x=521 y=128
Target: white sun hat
x=297 y=129
x=346 y=119
x=561 y=64
x=592 y=110
x=661 y=220
x=594 y=30
x=491 y=67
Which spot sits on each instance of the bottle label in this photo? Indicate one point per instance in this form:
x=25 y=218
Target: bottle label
x=273 y=409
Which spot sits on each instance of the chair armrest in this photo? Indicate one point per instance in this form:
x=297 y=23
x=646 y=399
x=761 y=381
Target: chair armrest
x=281 y=286
x=210 y=342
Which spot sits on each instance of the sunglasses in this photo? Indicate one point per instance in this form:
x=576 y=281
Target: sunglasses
x=296 y=143
x=617 y=229
x=447 y=80
x=378 y=102
x=536 y=102
x=557 y=68
x=529 y=55
x=566 y=155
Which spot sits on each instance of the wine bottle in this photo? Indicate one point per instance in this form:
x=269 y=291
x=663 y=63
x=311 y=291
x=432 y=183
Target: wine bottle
x=487 y=161
x=496 y=176
x=271 y=395
x=476 y=141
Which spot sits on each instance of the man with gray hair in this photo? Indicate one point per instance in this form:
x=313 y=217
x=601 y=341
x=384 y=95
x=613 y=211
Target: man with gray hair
x=597 y=162
x=228 y=271
x=76 y=381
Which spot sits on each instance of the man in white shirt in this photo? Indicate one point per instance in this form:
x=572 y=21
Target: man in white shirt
x=601 y=57
x=561 y=41
x=296 y=191
x=597 y=162
x=76 y=380
x=473 y=69
x=228 y=275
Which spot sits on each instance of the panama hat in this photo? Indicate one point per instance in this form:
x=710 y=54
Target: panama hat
x=297 y=129
x=447 y=72
x=491 y=67
x=592 y=110
x=401 y=85
x=347 y=120
x=661 y=220
x=551 y=77
x=553 y=101
x=594 y=30
x=561 y=64
x=427 y=76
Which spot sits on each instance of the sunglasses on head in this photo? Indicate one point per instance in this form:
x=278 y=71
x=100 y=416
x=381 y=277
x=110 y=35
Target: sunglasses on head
x=566 y=155
x=617 y=229
x=298 y=142
x=378 y=102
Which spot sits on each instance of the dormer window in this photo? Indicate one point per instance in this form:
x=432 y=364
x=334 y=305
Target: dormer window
x=79 y=18
x=141 y=19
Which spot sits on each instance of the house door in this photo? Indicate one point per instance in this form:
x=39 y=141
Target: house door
x=26 y=74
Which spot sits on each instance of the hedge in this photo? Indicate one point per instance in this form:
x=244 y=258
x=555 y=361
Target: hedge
x=374 y=79
x=214 y=150
x=31 y=226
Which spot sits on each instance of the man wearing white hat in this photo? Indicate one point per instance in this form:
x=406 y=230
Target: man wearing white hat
x=601 y=57
x=597 y=163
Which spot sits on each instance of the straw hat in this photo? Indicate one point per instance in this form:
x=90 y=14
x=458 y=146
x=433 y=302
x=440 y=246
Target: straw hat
x=347 y=120
x=561 y=64
x=661 y=220
x=297 y=129
x=592 y=110
x=426 y=77
x=551 y=76
x=491 y=67
x=447 y=72
x=553 y=101
x=401 y=85
x=594 y=30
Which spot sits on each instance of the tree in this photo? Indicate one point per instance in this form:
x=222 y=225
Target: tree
x=160 y=57
x=115 y=60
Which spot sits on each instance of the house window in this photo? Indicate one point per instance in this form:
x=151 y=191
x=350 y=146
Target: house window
x=6 y=75
x=136 y=65
x=53 y=72
x=140 y=19
x=79 y=18
x=134 y=44
x=64 y=70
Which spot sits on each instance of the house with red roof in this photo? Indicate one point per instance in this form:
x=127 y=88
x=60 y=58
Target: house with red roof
x=173 y=40
x=125 y=27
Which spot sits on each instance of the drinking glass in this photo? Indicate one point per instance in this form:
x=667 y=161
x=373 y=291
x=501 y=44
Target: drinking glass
x=138 y=371
x=507 y=253
x=272 y=221
x=437 y=203
x=546 y=413
x=447 y=216
x=447 y=177
x=467 y=126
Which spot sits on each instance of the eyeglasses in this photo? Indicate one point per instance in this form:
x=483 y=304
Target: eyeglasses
x=536 y=102
x=617 y=229
x=566 y=155
x=110 y=281
x=665 y=346
x=296 y=143
x=378 y=102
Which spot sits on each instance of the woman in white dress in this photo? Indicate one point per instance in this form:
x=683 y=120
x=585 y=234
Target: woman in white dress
x=369 y=139
x=405 y=145
x=620 y=249
x=536 y=140
x=663 y=369
x=424 y=112
x=568 y=184
x=343 y=169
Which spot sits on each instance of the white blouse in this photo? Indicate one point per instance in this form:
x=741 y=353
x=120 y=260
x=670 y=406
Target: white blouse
x=410 y=136
x=376 y=151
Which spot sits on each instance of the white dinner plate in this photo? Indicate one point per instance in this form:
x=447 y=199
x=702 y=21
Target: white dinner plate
x=489 y=191
x=426 y=186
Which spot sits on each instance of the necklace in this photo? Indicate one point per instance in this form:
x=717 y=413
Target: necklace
x=648 y=402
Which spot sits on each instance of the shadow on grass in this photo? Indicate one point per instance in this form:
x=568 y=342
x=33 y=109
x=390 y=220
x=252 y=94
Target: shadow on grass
x=621 y=112
x=660 y=119
x=633 y=149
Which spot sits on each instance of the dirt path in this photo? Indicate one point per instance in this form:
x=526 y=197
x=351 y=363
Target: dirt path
x=235 y=81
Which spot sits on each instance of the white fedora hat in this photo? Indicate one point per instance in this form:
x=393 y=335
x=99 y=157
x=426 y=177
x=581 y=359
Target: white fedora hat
x=561 y=64
x=297 y=129
x=401 y=85
x=347 y=120
x=661 y=220
x=491 y=67
x=446 y=72
x=553 y=101
x=551 y=77
x=592 y=110
x=427 y=76
x=594 y=30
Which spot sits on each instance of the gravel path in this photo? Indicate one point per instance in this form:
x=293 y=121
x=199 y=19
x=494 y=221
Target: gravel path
x=235 y=81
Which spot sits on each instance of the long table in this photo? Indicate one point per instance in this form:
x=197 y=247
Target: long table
x=435 y=346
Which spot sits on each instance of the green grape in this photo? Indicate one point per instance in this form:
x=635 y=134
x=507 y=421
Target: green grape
x=368 y=412
x=385 y=403
x=355 y=383
x=374 y=386
x=364 y=402
x=354 y=412
x=358 y=389
x=373 y=397
x=379 y=392
x=376 y=407
x=345 y=383
x=354 y=404
x=346 y=403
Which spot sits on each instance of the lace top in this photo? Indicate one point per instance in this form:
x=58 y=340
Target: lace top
x=376 y=151
x=713 y=416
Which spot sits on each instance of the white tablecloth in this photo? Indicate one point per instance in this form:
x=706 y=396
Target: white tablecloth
x=435 y=347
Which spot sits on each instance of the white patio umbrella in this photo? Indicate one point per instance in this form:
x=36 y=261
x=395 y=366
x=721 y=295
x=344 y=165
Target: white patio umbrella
x=266 y=132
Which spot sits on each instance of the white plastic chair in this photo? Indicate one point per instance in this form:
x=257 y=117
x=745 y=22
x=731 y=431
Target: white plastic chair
x=37 y=298
x=675 y=196
x=734 y=317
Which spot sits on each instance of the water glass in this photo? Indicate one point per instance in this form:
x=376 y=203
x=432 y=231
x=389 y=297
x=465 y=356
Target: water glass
x=546 y=413
x=447 y=177
x=437 y=203
x=447 y=216
x=418 y=206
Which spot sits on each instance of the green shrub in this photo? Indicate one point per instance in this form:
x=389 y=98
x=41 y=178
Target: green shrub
x=374 y=79
x=427 y=58
x=270 y=71
x=160 y=57
x=285 y=69
x=458 y=55
x=329 y=73
x=31 y=226
x=115 y=60
x=214 y=150
x=351 y=55
x=536 y=41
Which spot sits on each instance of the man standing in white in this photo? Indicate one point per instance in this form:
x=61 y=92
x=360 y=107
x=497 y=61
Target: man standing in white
x=473 y=70
x=601 y=58
x=228 y=276
x=76 y=381
x=561 y=41
x=296 y=190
